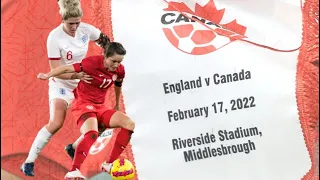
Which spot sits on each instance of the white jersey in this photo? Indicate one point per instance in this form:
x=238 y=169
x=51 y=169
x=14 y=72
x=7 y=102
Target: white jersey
x=69 y=50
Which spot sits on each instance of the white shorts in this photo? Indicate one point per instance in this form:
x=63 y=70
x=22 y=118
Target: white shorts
x=59 y=90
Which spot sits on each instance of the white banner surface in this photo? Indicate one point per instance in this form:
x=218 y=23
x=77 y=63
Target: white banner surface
x=206 y=108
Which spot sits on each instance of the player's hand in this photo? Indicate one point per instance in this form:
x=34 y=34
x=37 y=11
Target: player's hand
x=117 y=107
x=84 y=77
x=43 y=76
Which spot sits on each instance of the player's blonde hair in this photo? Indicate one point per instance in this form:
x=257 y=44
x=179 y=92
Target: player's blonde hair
x=70 y=9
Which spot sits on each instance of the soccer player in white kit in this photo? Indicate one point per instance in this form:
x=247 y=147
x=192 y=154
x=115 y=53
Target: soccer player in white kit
x=66 y=44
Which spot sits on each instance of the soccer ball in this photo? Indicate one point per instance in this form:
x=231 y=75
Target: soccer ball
x=122 y=169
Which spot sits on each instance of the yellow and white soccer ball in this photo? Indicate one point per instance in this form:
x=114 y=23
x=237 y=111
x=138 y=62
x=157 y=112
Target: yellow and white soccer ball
x=122 y=169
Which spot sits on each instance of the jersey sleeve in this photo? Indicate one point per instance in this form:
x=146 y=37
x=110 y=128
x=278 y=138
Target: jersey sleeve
x=88 y=65
x=53 y=49
x=93 y=32
x=77 y=67
x=121 y=72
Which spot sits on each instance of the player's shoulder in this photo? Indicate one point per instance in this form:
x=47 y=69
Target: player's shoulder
x=94 y=59
x=120 y=69
x=56 y=32
x=85 y=26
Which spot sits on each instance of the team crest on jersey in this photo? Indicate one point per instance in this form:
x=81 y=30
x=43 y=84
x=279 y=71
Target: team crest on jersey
x=89 y=107
x=114 y=77
x=84 y=38
x=62 y=91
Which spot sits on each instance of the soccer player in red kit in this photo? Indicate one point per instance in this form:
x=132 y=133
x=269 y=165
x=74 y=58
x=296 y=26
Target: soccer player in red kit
x=88 y=107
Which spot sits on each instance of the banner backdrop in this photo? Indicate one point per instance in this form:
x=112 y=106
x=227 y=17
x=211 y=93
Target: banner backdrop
x=210 y=84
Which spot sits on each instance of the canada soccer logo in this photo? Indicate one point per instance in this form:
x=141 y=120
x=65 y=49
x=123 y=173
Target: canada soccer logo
x=114 y=77
x=199 y=32
x=101 y=142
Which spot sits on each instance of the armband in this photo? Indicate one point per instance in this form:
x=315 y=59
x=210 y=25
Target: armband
x=118 y=84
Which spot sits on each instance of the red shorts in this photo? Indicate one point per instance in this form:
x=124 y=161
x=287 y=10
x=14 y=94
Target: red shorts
x=102 y=113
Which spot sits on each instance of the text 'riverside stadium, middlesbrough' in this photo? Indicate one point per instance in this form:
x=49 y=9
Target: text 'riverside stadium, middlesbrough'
x=208 y=151
x=217 y=79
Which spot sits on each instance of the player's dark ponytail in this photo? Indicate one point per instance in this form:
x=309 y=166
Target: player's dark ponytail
x=103 y=41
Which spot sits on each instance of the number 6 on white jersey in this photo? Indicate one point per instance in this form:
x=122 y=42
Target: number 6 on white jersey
x=104 y=81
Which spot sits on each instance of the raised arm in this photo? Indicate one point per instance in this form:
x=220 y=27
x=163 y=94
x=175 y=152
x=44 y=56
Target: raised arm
x=56 y=72
x=56 y=64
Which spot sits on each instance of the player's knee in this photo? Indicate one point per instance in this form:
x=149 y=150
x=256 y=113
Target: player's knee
x=54 y=126
x=129 y=124
x=119 y=119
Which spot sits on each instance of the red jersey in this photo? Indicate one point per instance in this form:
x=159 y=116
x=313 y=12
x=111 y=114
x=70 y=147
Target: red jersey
x=102 y=79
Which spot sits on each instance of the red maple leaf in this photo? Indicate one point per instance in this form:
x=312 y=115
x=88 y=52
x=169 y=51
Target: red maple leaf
x=208 y=12
x=178 y=6
x=235 y=27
